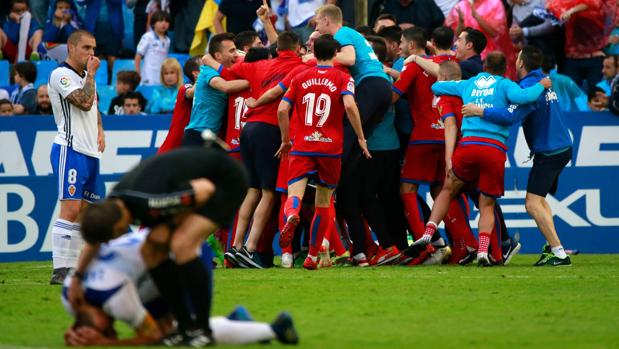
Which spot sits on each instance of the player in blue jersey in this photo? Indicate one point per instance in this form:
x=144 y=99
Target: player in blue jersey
x=547 y=135
x=480 y=156
x=210 y=96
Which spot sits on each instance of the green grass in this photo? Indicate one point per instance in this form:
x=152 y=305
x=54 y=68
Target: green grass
x=387 y=307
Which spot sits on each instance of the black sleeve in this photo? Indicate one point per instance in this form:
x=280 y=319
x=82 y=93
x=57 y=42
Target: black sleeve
x=149 y=208
x=613 y=99
x=224 y=7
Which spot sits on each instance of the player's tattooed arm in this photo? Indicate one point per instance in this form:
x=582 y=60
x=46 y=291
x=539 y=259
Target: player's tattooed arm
x=84 y=97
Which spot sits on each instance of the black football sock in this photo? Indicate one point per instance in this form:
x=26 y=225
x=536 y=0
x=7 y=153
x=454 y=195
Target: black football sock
x=165 y=277
x=196 y=280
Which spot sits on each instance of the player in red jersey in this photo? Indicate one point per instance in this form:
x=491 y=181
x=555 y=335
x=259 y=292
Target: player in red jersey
x=259 y=142
x=319 y=96
x=424 y=161
x=182 y=108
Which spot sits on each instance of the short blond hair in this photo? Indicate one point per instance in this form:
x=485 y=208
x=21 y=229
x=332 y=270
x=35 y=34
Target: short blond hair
x=333 y=12
x=172 y=63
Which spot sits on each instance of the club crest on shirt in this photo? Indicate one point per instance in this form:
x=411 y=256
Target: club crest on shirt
x=71 y=190
x=65 y=81
x=317 y=137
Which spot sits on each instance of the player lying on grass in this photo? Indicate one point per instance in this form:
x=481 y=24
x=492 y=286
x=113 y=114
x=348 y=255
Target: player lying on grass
x=318 y=97
x=117 y=287
x=182 y=196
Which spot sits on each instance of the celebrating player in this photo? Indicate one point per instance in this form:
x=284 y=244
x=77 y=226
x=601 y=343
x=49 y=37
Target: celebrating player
x=548 y=138
x=77 y=147
x=318 y=97
x=480 y=156
x=183 y=195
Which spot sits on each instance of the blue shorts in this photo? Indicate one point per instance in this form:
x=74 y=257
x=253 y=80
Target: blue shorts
x=77 y=174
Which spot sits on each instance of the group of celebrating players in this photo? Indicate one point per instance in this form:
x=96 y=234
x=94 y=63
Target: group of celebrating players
x=286 y=132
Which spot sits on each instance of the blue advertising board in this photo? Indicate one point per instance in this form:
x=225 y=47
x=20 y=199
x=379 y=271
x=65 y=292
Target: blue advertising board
x=585 y=206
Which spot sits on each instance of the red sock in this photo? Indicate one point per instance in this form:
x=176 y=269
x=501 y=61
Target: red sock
x=320 y=225
x=412 y=214
x=335 y=242
x=484 y=242
x=292 y=206
x=457 y=222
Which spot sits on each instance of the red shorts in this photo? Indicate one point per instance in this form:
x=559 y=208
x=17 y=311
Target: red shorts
x=235 y=155
x=282 y=175
x=328 y=169
x=424 y=164
x=481 y=160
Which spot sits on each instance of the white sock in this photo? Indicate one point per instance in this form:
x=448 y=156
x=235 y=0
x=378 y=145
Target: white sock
x=313 y=258
x=559 y=252
x=75 y=247
x=226 y=331
x=439 y=243
x=61 y=243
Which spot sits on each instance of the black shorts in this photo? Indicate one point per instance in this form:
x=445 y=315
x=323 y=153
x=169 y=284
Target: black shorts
x=192 y=138
x=259 y=143
x=544 y=176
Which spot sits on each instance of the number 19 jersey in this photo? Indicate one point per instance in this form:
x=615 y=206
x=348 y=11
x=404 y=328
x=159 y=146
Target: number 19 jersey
x=316 y=96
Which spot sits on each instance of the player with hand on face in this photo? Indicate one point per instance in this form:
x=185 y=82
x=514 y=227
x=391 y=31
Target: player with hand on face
x=77 y=147
x=318 y=98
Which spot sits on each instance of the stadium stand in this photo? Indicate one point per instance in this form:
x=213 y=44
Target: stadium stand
x=119 y=65
x=101 y=77
x=106 y=93
x=44 y=69
x=5 y=73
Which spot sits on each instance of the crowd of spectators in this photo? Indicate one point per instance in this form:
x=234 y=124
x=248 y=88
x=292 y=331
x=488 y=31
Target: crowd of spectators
x=579 y=38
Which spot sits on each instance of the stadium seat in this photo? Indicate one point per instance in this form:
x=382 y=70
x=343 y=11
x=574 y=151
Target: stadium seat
x=120 y=65
x=180 y=57
x=101 y=77
x=44 y=69
x=5 y=73
x=146 y=91
x=9 y=88
x=106 y=94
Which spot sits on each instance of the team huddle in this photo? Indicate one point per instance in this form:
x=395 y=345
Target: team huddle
x=321 y=123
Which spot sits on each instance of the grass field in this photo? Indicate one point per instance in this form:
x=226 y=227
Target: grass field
x=388 y=307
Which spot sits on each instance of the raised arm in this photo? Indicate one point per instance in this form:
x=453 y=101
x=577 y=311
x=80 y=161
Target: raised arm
x=429 y=66
x=452 y=88
x=518 y=95
x=83 y=98
x=263 y=14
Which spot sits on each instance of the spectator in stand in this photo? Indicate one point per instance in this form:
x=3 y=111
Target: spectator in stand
x=153 y=47
x=596 y=100
x=6 y=108
x=610 y=68
x=20 y=27
x=126 y=81
x=240 y=15
x=613 y=99
x=587 y=24
x=4 y=94
x=164 y=96
x=62 y=22
x=44 y=106
x=420 y=13
x=528 y=29
x=300 y=15
x=489 y=17
x=140 y=18
x=133 y=103
x=104 y=19
x=24 y=97
x=384 y=20
x=182 y=109
x=365 y=30
x=40 y=9
x=613 y=40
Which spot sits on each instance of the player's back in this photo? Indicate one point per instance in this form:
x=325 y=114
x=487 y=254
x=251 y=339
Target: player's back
x=123 y=254
x=316 y=95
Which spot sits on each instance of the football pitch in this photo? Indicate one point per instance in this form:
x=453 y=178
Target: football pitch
x=385 y=307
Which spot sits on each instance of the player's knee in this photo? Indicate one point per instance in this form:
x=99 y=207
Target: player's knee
x=70 y=210
x=532 y=205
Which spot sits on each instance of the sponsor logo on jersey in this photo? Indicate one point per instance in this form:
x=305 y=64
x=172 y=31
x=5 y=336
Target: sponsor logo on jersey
x=71 y=190
x=483 y=82
x=65 y=81
x=317 y=137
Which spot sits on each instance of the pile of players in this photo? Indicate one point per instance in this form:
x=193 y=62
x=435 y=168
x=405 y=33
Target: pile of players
x=285 y=121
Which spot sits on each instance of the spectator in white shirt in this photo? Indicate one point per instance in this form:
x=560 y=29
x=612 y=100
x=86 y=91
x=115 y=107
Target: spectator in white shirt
x=153 y=47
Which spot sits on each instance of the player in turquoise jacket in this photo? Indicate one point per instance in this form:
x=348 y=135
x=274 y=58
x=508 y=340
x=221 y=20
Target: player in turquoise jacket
x=480 y=156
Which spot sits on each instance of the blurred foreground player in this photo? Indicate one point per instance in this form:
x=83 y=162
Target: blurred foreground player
x=118 y=287
x=182 y=196
x=319 y=96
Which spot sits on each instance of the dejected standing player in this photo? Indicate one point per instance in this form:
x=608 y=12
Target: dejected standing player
x=318 y=97
x=77 y=147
